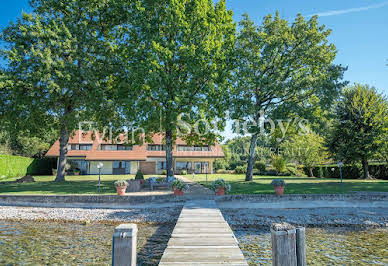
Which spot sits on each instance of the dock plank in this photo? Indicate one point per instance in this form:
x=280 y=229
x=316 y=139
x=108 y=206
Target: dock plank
x=202 y=237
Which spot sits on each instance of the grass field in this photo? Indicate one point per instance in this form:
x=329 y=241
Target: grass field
x=260 y=185
x=87 y=184
x=294 y=185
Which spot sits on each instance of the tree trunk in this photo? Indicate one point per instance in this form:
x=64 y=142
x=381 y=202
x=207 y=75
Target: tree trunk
x=311 y=172
x=251 y=158
x=63 y=141
x=169 y=158
x=365 y=168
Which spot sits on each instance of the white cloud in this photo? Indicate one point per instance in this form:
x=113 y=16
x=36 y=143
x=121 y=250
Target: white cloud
x=349 y=10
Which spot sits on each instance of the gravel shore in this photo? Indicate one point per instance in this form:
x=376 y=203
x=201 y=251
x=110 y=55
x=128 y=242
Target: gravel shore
x=308 y=216
x=136 y=215
x=371 y=216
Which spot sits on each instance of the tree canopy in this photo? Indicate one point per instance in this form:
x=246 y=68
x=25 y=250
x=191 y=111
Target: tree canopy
x=279 y=67
x=178 y=68
x=56 y=74
x=361 y=125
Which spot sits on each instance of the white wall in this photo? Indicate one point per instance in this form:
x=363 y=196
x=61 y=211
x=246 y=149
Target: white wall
x=107 y=169
x=133 y=167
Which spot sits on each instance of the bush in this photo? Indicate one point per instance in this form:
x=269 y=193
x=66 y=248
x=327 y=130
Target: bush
x=278 y=183
x=164 y=172
x=240 y=170
x=183 y=172
x=139 y=175
x=223 y=171
x=379 y=171
x=220 y=183
x=15 y=166
x=279 y=163
x=292 y=169
x=260 y=166
x=178 y=184
x=120 y=183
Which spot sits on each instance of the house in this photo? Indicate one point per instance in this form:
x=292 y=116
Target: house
x=85 y=152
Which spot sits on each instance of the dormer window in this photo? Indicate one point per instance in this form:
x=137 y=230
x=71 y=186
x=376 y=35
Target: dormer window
x=80 y=147
x=115 y=147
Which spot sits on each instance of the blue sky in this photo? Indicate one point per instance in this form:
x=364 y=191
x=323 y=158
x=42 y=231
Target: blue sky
x=360 y=30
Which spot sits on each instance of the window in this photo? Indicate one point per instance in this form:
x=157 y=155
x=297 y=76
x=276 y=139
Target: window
x=85 y=147
x=162 y=166
x=82 y=147
x=183 y=165
x=155 y=147
x=114 y=147
x=124 y=148
x=193 y=148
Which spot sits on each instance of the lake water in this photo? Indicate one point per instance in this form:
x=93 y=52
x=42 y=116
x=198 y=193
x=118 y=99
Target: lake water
x=324 y=246
x=47 y=243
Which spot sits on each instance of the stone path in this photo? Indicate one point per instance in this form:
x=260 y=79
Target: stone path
x=195 y=188
x=202 y=237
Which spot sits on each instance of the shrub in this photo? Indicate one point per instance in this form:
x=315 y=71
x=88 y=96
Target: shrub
x=379 y=171
x=260 y=166
x=178 y=184
x=279 y=163
x=240 y=169
x=183 y=172
x=223 y=171
x=139 y=175
x=293 y=169
x=15 y=166
x=320 y=172
x=220 y=183
x=121 y=183
x=164 y=172
x=278 y=183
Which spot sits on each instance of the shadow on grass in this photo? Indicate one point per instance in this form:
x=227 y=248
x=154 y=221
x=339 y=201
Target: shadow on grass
x=68 y=187
x=243 y=187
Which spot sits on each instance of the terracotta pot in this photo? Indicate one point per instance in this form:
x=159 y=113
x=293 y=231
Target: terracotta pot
x=220 y=191
x=279 y=190
x=141 y=181
x=178 y=192
x=121 y=191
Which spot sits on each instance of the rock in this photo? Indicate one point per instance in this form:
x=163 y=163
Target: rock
x=25 y=179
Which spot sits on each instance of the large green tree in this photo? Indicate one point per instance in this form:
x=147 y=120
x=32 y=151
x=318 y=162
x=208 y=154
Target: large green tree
x=176 y=60
x=279 y=66
x=56 y=73
x=306 y=149
x=359 y=132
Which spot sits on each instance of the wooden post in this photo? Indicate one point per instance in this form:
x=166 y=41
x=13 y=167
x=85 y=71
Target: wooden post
x=283 y=238
x=301 y=246
x=124 y=245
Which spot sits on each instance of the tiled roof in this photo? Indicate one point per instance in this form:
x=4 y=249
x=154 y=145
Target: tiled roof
x=138 y=153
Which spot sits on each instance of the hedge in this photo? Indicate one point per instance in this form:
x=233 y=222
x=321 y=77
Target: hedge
x=379 y=171
x=15 y=166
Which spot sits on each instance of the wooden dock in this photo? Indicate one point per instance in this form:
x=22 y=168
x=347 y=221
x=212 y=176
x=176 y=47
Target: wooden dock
x=202 y=237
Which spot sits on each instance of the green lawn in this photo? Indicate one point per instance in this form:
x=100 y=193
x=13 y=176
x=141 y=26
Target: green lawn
x=74 y=185
x=294 y=185
x=259 y=185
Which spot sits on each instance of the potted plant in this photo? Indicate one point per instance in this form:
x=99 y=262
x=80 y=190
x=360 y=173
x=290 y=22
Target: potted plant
x=121 y=186
x=139 y=176
x=278 y=185
x=76 y=171
x=179 y=187
x=220 y=186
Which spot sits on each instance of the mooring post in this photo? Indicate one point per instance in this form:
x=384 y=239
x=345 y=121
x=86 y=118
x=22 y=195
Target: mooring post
x=283 y=238
x=124 y=245
x=301 y=246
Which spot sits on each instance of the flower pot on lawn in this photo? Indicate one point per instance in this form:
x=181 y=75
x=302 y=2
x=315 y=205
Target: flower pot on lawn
x=220 y=191
x=279 y=190
x=121 y=191
x=178 y=192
